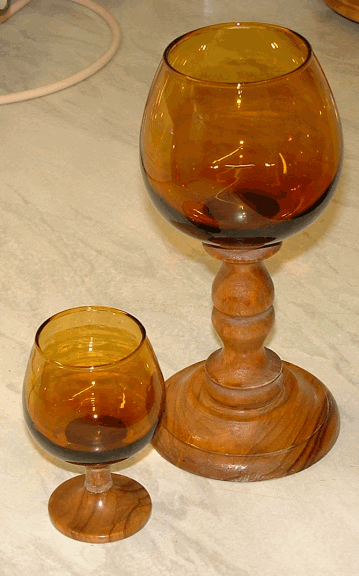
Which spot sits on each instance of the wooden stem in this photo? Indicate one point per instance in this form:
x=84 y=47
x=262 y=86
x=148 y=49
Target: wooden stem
x=243 y=373
x=98 y=478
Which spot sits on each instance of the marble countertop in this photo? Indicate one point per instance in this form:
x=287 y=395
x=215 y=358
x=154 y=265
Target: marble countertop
x=78 y=228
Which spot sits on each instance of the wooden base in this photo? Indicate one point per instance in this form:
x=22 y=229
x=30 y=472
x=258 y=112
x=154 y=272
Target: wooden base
x=243 y=414
x=292 y=434
x=114 y=514
x=347 y=8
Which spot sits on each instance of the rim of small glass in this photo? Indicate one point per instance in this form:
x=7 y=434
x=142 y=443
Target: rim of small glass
x=89 y=368
x=237 y=24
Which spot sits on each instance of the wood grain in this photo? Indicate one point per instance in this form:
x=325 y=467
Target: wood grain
x=243 y=414
x=114 y=514
x=347 y=8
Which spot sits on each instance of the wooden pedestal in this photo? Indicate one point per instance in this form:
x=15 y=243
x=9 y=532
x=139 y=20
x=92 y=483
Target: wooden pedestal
x=347 y=8
x=243 y=414
x=82 y=510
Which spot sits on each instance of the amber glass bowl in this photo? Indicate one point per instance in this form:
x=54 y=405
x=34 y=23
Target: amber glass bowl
x=240 y=140
x=93 y=394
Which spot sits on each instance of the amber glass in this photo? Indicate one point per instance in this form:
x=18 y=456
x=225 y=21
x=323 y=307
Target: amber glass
x=93 y=388
x=240 y=139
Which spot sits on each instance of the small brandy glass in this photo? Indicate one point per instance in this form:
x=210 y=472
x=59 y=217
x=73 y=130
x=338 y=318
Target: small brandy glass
x=241 y=148
x=93 y=394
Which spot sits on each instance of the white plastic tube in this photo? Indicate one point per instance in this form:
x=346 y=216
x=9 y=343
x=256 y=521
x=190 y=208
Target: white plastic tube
x=79 y=76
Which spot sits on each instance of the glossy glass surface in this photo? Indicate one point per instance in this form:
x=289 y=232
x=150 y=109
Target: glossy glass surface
x=240 y=140
x=93 y=389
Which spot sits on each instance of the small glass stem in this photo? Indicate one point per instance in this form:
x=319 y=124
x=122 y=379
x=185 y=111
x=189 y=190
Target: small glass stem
x=98 y=478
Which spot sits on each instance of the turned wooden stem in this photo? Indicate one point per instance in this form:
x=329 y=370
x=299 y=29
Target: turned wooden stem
x=243 y=374
x=98 y=478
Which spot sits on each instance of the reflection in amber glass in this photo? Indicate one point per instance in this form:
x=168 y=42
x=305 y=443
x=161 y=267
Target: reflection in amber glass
x=240 y=141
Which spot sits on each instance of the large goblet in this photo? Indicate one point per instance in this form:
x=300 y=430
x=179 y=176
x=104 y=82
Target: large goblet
x=93 y=394
x=241 y=148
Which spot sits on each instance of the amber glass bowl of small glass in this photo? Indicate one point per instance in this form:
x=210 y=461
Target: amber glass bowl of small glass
x=93 y=394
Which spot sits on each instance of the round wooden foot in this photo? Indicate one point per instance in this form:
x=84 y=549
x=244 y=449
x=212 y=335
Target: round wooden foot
x=114 y=514
x=285 y=436
x=347 y=8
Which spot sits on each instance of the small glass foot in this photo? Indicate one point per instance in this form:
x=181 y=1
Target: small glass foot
x=92 y=515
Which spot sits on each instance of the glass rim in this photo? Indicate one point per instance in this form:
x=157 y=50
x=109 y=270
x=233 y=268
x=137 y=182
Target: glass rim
x=89 y=368
x=236 y=25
